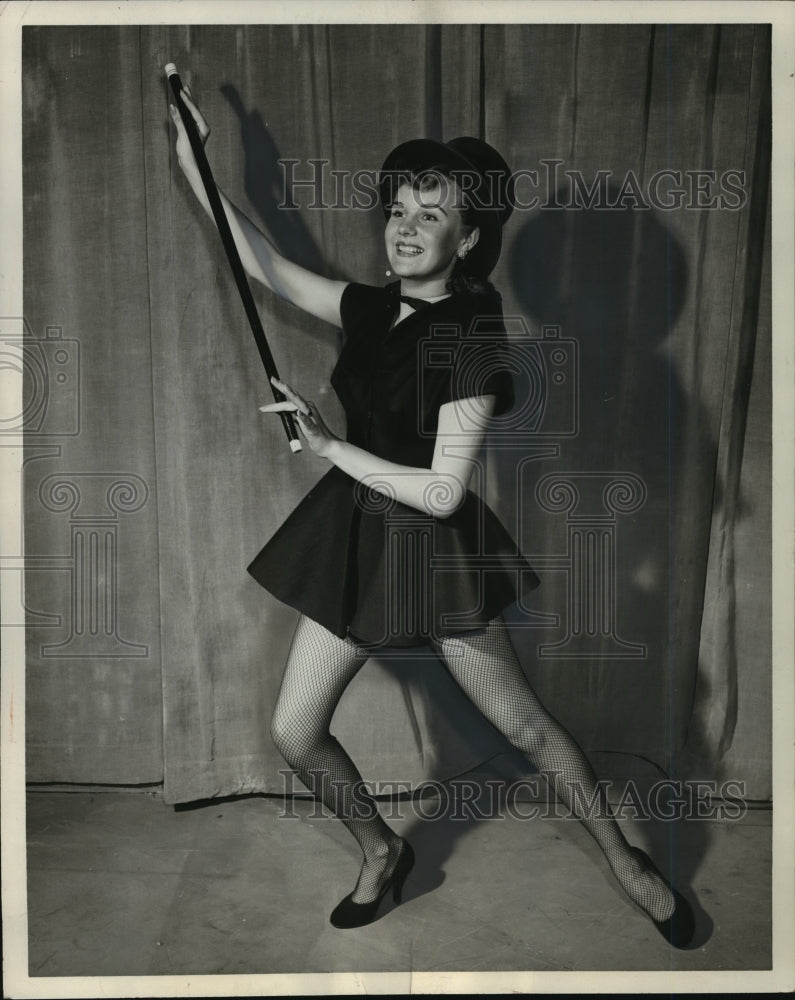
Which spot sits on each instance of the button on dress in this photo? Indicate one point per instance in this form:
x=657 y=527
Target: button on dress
x=362 y=564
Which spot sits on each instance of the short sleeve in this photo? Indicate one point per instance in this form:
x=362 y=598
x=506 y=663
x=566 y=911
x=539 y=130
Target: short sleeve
x=358 y=303
x=482 y=365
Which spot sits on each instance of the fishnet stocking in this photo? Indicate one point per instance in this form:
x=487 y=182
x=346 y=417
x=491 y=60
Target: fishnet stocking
x=319 y=668
x=485 y=666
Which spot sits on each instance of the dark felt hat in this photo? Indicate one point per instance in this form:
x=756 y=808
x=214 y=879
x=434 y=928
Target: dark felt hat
x=480 y=172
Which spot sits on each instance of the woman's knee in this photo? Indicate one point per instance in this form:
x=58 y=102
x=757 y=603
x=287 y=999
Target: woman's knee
x=526 y=735
x=279 y=729
x=286 y=730
x=297 y=733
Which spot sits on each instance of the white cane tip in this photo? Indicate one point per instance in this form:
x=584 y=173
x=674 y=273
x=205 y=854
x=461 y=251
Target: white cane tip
x=171 y=69
x=295 y=445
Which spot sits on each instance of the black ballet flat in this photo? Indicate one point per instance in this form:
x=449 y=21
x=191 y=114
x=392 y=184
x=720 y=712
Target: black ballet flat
x=679 y=928
x=350 y=914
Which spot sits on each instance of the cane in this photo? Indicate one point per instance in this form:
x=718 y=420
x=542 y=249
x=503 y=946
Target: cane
x=233 y=256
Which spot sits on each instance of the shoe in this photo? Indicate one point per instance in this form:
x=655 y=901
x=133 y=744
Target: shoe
x=350 y=914
x=679 y=928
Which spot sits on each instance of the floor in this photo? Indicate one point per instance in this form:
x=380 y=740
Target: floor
x=121 y=884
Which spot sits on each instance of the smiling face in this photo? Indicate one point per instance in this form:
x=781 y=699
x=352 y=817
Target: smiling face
x=424 y=232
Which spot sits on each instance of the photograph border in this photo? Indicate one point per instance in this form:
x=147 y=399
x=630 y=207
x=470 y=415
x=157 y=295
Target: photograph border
x=17 y=982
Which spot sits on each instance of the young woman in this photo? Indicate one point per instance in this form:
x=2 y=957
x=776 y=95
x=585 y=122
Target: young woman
x=354 y=557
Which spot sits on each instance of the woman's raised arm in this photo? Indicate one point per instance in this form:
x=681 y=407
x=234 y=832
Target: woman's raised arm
x=311 y=292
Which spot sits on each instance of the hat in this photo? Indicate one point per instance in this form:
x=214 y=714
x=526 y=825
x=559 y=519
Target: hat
x=480 y=172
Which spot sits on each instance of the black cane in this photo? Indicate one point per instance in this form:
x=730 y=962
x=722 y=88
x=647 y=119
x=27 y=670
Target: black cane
x=232 y=254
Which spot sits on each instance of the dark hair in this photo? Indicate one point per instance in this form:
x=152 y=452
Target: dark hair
x=469 y=276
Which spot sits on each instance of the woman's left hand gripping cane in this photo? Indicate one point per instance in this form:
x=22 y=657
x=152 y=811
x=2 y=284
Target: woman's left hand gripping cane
x=312 y=424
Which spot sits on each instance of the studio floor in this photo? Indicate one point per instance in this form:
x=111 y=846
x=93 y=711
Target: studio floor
x=121 y=884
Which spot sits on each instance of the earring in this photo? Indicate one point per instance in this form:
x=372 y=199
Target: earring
x=461 y=254
x=388 y=273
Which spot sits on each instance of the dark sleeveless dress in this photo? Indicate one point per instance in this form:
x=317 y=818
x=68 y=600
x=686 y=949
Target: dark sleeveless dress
x=373 y=568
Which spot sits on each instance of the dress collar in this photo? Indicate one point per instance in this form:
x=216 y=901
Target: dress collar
x=393 y=288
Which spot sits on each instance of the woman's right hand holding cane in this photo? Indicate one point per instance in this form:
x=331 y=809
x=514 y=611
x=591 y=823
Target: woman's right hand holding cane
x=314 y=293
x=185 y=156
x=189 y=167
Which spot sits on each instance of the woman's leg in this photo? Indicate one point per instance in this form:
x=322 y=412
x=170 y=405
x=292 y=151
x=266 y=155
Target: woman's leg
x=485 y=666
x=319 y=668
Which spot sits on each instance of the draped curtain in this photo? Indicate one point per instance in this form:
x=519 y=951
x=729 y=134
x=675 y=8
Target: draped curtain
x=651 y=430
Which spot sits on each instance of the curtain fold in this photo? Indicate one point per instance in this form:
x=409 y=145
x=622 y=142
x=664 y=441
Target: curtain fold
x=659 y=424
x=93 y=682
x=715 y=709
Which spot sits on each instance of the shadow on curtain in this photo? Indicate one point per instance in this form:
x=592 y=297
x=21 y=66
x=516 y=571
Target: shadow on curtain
x=669 y=311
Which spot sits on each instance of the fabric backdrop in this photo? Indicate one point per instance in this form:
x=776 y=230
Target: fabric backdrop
x=640 y=467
